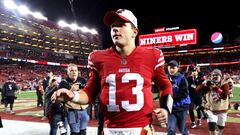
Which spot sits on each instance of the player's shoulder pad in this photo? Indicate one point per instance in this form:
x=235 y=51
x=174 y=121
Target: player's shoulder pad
x=97 y=53
x=154 y=50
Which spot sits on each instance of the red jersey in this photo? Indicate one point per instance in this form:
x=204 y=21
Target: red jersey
x=126 y=84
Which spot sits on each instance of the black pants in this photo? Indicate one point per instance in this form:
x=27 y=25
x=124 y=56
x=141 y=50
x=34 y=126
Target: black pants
x=39 y=100
x=195 y=101
x=9 y=100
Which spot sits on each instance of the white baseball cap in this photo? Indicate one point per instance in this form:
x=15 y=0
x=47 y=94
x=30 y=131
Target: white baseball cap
x=124 y=14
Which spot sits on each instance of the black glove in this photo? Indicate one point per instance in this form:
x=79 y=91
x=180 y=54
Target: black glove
x=236 y=106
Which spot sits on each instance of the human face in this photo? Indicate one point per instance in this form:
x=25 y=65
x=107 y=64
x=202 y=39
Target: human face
x=195 y=73
x=73 y=73
x=123 y=33
x=216 y=78
x=50 y=74
x=172 y=70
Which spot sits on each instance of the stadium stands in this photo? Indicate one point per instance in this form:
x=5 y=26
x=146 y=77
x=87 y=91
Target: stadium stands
x=24 y=39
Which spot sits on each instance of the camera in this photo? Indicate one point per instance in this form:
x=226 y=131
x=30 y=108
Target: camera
x=212 y=83
x=209 y=83
x=191 y=68
x=81 y=85
x=61 y=128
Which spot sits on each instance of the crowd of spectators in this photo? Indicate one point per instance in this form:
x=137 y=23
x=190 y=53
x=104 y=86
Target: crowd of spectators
x=28 y=38
x=27 y=75
x=39 y=55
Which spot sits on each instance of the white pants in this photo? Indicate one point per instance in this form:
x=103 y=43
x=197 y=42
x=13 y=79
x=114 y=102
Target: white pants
x=219 y=118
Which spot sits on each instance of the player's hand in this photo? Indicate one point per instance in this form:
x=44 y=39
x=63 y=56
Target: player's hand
x=62 y=95
x=162 y=116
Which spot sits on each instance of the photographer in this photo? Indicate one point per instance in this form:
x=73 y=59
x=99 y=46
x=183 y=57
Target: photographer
x=77 y=114
x=216 y=103
x=54 y=111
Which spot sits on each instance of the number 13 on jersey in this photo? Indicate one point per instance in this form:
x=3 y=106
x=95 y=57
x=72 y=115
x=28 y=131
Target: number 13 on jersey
x=137 y=91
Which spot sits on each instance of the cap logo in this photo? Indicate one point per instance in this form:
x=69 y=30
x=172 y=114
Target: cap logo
x=120 y=11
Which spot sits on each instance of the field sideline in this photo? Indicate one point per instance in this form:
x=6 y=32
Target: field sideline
x=32 y=94
x=236 y=98
x=26 y=111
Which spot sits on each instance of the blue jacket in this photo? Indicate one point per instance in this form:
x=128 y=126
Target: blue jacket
x=181 y=99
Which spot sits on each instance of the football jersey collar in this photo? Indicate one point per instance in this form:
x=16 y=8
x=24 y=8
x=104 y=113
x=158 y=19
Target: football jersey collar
x=116 y=53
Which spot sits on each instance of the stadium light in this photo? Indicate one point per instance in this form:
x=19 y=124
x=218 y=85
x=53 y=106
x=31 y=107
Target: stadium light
x=39 y=15
x=24 y=10
x=84 y=29
x=75 y=27
x=94 y=31
x=62 y=23
x=9 y=4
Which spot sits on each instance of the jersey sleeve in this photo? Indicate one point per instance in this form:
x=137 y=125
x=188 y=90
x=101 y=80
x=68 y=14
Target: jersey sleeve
x=91 y=61
x=159 y=58
x=162 y=82
x=160 y=78
x=93 y=85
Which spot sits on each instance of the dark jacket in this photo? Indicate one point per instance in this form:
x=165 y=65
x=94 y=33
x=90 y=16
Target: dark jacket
x=45 y=83
x=192 y=85
x=67 y=83
x=9 y=89
x=52 y=108
x=181 y=99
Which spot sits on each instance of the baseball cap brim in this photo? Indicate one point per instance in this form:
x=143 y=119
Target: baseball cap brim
x=173 y=63
x=110 y=17
x=217 y=72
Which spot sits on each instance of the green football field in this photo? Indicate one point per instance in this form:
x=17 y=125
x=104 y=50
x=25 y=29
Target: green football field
x=236 y=93
x=25 y=95
x=32 y=94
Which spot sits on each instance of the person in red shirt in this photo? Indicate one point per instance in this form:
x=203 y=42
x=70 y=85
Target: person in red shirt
x=39 y=91
x=123 y=76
